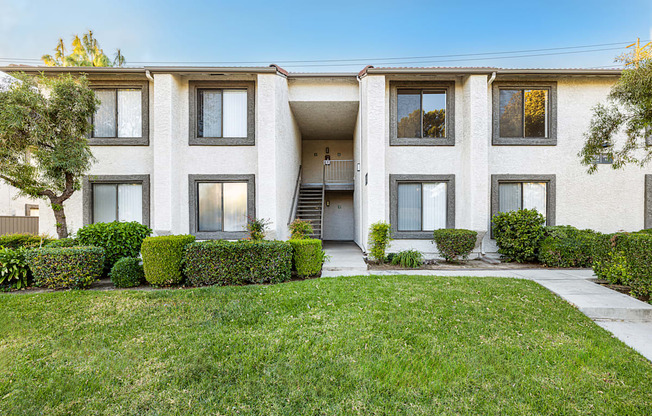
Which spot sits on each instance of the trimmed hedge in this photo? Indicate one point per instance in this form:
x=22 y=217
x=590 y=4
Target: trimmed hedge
x=566 y=246
x=307 y=256
x=625 y=258
x=127 y=272
x=238 y=262
x=607 y=263
x=63 y=242
x=14 y=241
x=63 y=268
x=163 y=258
x=518 y=234
x=454 y=243
x=118 y=239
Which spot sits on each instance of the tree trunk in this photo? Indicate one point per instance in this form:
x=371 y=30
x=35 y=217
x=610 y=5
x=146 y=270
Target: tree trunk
x=60 y=217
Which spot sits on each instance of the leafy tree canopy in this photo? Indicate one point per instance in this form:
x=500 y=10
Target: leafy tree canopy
x=85 y=52
x=44 y=123
x=628 y=111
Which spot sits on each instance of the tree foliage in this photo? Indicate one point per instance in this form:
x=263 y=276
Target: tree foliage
x=85 y=52
x=628 y=111
x=44 y=152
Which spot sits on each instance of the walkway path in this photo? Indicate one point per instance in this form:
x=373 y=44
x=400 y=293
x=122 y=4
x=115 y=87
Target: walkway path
x=629 y=319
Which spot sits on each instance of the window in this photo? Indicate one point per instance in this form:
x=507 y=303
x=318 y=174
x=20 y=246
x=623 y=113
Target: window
x=221 y=113
x=117 y=202
x=421 y=204
x=116 y=198
x=121 y=117
x=514 y=192
x=422 y=114
x=220 y=205
x=31 y=210
x=524 y=114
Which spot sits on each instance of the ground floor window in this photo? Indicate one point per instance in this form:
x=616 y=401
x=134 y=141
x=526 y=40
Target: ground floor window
x=220 y=205
x=420 y=204
x=110 y=198
x=514 y=192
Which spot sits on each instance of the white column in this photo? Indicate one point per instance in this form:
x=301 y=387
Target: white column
x=266 y=149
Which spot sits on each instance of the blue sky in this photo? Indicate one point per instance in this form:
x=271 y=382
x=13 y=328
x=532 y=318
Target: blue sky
x=280 y=31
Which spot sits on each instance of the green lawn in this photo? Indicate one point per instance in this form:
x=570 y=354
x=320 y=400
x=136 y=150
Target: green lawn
x=361 y=345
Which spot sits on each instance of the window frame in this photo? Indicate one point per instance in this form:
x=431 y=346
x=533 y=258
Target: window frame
x=193 y=195
x=551 y=87
x=448 y=87
x=87 y=193
x=195 y=86
x=647 y=209
x=29 y=207
x=143 y=140
x=551 y=193
x=395 y=180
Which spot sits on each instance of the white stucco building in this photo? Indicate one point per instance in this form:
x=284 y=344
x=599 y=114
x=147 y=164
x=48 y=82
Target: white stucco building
x=198 y=150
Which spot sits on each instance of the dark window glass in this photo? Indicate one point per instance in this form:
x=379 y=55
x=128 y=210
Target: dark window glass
x=409 y=114
x=523 y=113
x=434 y=114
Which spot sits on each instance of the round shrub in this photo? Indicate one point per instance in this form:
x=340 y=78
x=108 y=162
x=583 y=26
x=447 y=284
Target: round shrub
x=518 y=234
x=408 y=258
x=66 y=267
x=238 y=262
x=127 y=272
x=63 y=242
x=307 y=256
x=163 y=258
x=118 y=239
x=300 y=229
x=454 y=243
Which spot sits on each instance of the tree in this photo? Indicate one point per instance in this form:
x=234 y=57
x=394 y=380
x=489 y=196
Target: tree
x=44 y=152
x=85 y=52
x=628 y=110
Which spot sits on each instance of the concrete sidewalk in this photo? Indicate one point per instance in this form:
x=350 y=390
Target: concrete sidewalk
x=629 y=319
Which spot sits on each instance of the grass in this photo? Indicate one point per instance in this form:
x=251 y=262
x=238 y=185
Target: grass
x=354 y=346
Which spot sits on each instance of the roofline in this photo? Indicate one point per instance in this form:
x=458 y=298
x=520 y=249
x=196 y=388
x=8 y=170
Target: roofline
x=489 y=71
x=321 y=74
x=140 y=70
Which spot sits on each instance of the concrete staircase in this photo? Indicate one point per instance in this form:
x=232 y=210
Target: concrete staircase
x=310 y=207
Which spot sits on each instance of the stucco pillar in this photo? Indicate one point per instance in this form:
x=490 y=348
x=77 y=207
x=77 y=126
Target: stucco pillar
x=165 y=194
x=374 y=148
x=475 y=184
x=266 y=147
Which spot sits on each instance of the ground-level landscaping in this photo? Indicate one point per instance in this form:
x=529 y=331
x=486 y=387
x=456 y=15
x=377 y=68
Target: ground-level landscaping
x=360 y=345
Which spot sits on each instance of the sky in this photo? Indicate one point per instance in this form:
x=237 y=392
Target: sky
x=342 y=35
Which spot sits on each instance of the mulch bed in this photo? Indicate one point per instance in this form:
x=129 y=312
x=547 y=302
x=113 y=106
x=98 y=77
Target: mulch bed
x=622 y=289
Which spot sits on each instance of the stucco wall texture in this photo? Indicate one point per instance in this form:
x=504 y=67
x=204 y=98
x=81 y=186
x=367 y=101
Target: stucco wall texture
x=607 y=201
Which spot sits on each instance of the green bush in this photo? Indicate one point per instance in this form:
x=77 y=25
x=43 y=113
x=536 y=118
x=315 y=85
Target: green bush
x=163 y=258
x=127 y=272
x=455 y=243
x=307 y=256
x=408 y=258
x=14 y=270
x=68 y=267
x=518 y=234
x=636 y=251
x=238 y=262
x=63 y=242
x=23 y=241
x=379 y=238
x=257 y=228
x=566 y=246
x=118 y=239
x=608 y=264
x=300 y=229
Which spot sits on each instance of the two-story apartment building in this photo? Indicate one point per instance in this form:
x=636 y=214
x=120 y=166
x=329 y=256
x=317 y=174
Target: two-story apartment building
x=198 y=150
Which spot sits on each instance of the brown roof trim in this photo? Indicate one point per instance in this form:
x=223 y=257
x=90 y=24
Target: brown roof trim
x=364 y=71
x=280 y=70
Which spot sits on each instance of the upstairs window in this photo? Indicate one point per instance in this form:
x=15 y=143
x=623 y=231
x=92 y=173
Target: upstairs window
x=422 y=113
x=121 y=118
x=222 y=113
x=525 y=114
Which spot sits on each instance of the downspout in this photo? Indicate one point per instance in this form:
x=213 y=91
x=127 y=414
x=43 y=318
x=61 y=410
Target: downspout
x=151 y=78
x=491 y=80
x=360 y=175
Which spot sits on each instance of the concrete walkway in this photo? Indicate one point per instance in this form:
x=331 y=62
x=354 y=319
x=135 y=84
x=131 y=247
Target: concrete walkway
x=629 y=319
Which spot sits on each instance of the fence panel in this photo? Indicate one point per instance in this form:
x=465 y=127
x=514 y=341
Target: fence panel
x=21 y=225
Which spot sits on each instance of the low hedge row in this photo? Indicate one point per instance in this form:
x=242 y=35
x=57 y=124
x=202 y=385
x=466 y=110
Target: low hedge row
x=454 y=243
x=566 y=246
x=237 y=262
x=66 y=268
x=14 y=241
x=307 y=256
x=127 y=272
x=163 y=258
x=625 y=258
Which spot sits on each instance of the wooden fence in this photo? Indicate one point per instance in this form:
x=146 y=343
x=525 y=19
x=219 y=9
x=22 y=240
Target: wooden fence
x=13 y=225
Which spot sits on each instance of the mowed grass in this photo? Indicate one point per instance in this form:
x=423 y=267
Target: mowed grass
x=349 y=346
